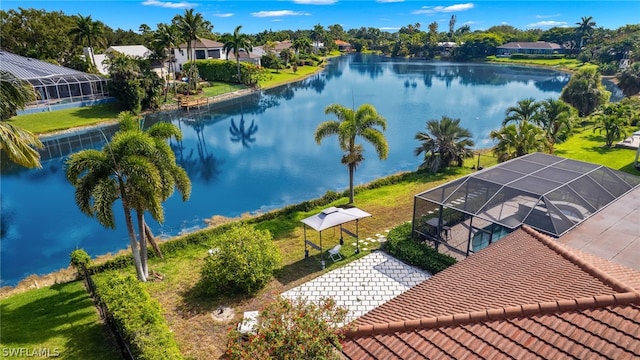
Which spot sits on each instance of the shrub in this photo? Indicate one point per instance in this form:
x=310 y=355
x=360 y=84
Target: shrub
x=292 y=329
x=138 y=317
x=80 y=260
x=244 y=262
x=401 y=245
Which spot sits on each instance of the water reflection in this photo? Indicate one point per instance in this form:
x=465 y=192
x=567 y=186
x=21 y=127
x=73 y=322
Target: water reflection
x=257 y=153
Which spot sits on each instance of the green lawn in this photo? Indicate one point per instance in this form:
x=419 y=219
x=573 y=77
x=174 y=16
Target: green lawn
x=58 y=319
x=286 y=76
x=567 y=64
x=589 y=146
x=50 y=121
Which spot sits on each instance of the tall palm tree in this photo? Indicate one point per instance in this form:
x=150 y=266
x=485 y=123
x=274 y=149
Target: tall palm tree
x=525 y=111
x=585 y=27
x=138 y=167
x=236 y=43
x=89 y=32
x=317 y=34
x=18 y=144
x=555 y=117
x=515 y=140
x=167 y=36
x=192 y=26
x=302 y=44
x=443 y=143
x=349 y=125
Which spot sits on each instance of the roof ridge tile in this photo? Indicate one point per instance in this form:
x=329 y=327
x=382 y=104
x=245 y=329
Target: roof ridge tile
x=583 y=264
x=508 y=312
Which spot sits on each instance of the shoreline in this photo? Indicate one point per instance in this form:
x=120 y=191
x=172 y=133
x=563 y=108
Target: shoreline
x=68 y=274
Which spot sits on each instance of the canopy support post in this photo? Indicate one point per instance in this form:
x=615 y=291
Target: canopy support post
x=321 y=252
x=306 y=251
x=357 y=238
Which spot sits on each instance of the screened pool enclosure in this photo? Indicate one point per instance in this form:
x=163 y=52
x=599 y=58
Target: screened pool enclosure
x=548 y=193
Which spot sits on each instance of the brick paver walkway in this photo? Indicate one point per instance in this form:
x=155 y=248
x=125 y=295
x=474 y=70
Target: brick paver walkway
x=362 y=285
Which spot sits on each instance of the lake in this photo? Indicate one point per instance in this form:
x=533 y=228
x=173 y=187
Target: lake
x=257 y=153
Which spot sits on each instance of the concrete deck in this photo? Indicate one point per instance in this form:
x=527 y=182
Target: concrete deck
x=362 y=285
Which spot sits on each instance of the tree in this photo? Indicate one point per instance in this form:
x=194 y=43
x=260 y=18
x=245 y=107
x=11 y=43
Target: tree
x=444 y=142
x=611 y=120
x=18 y=144
x=585 y=91
x=243 y=262
x=629 y=80
x=138 y=167
x=555 y=117
x=87 y=31
x=585 y=27
x=292 y=329
x=192 y=26
x=236 y=43
x=515 y=140
x=348 y=126
x=167 y=37
x=525 y=111
x=317 y=34
x=302 y=44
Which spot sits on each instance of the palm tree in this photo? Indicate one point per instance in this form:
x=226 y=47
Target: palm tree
x=236 y=43
x=585 y=27
x=443 y=143
x=349 y=125
x=515 y=140
x=317 y=34
x=555 y=117
x=302 y=44
x=87 y=31
x=18 y=144
x=191 y=27
x=525 y=111
x=611 y=120
x=167 y=36
x=138 y=167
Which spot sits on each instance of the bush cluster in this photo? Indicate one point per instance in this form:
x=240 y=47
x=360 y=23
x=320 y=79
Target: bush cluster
x=244 y=261
x=225 y=71
x=401 y=245
x=292 y=329
x=138 y=317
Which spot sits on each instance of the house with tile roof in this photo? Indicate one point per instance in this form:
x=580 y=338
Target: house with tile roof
x=539 y=48
x=203 y=49
x=526 y=296
x=343 y=46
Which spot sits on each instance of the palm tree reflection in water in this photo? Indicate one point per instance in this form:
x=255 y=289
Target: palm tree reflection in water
x=240 y=134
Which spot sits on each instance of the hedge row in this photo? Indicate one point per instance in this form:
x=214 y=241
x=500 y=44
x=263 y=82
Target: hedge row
x=138 y=317
x=225 y=71
x=401 y=245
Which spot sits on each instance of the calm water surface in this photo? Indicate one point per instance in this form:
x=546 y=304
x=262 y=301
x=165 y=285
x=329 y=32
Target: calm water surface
x=257 y=153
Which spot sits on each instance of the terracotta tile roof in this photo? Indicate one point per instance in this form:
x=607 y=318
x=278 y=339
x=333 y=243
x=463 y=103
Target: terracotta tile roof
x=525 y=296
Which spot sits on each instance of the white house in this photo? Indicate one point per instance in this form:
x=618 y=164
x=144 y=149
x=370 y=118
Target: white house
x=135 y=51
x=203 y=49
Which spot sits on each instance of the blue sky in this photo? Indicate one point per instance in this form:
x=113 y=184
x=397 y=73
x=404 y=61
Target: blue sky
x=388 y=15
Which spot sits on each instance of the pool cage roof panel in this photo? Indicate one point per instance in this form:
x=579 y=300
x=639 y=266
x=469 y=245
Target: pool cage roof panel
x=549 y=193
x=39 y=72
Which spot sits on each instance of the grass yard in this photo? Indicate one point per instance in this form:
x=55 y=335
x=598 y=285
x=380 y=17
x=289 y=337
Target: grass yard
x=566 y=64
x=587 y=145
x=285 y=76
x=51 y=121
x=57 y=319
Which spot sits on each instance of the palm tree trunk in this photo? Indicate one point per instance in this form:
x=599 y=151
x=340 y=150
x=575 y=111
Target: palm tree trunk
x=152 y=241
x=134 y=244
x=143 y=243
x=238 y=66
x=351 y=191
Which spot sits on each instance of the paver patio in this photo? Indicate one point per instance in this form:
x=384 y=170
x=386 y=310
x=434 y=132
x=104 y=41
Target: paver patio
x=362 y=285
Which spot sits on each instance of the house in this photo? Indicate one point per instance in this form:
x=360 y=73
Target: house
x=538 y=48
x=252 y=57
x=445 y=48
x=527 y=296
x=202 y=49
x=134 y=51
x=343 y=46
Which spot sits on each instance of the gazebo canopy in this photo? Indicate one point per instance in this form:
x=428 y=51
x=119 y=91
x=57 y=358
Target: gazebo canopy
x=334 y=216
x=329 y=218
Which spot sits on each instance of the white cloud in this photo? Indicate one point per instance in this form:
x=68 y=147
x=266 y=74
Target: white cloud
x=169 y=4
x=546 y=16
x=223 y=15
x=315 y=2
x=444 y=9
x=544 y=24
x=276 y=13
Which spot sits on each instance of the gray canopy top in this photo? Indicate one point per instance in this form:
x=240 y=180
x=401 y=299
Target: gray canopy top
x=334 y=216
